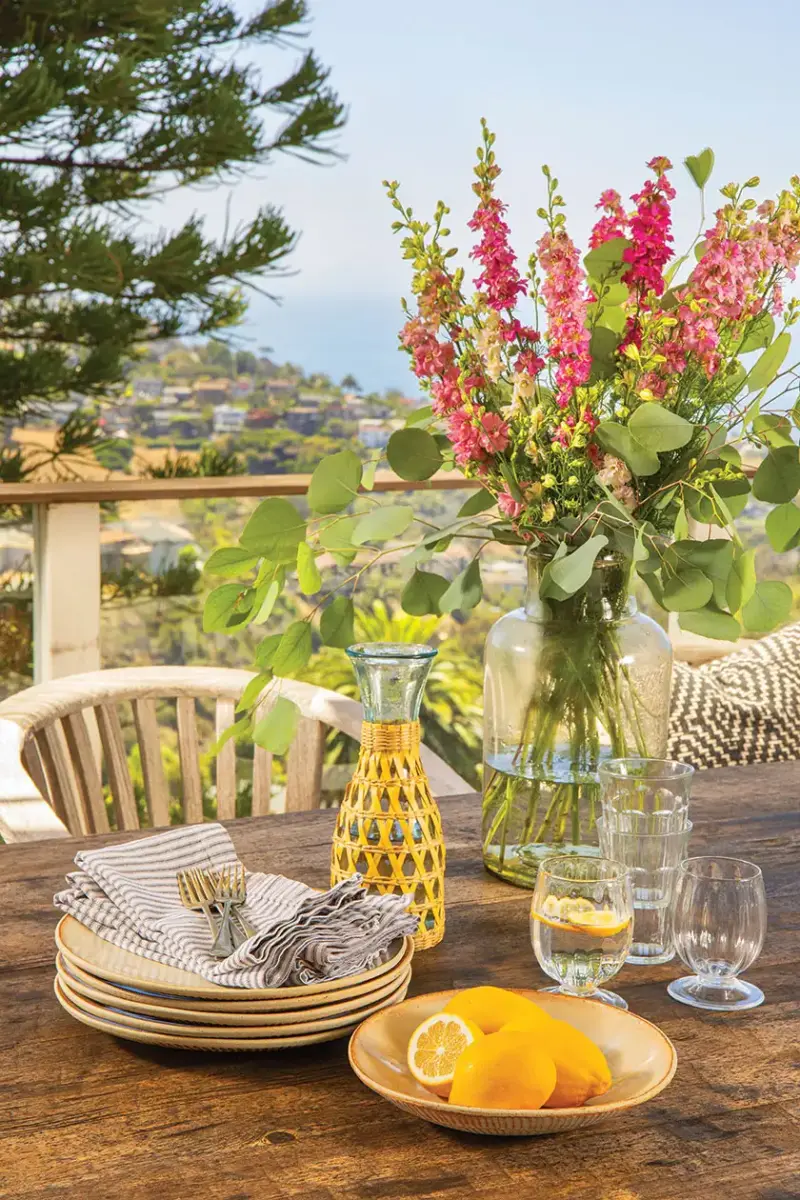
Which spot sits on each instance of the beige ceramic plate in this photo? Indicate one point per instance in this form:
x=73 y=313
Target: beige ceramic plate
x=109 y=1025
x=642 y=1061
x=242 y=1015
x=94 y=954
x=166 y=1019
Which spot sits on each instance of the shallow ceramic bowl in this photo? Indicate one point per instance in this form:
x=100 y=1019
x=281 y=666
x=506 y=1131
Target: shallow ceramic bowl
x=641 y=1058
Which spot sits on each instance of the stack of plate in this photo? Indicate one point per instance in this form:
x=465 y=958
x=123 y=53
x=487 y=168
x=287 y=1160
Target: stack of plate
x=145 y=1001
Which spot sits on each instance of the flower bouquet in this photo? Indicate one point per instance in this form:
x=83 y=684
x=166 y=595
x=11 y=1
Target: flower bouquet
x=602 y=404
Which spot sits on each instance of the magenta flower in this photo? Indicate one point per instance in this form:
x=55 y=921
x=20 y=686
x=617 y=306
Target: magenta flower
x=494 y=437
x=563 y=291
x=509 y=506
x=650 y=231
x=499 y=279
x=613 y=224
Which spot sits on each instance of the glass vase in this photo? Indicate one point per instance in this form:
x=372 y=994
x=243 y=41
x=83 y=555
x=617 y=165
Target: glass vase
x=567 y=684
x=388 y=827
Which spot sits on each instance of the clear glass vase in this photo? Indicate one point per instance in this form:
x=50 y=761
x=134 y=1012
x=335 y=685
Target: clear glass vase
x=567 y=684
x=388 y=827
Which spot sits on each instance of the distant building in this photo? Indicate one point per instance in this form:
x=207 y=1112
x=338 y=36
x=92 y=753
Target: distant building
x=212 y=391
x=161 y=419
x=243 y=385
x=374 y=432
x=260 y=418
x=176 y=395
x=355 y=406
x=149 y=388
x=303 y=419
x=313 y=399
x=228 y=419
x=146 y=542
x=282 y=385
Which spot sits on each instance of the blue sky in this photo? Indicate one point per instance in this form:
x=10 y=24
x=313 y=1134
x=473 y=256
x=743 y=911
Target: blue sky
x=594 y=90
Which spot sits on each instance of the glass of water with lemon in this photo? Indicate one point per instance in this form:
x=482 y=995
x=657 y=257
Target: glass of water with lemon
x=582 y=923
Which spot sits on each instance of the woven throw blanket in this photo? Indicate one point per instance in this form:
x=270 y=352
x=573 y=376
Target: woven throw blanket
x=128 y=894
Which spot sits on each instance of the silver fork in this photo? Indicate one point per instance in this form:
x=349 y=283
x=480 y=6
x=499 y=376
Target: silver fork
x=194 y=896
x=231 y=890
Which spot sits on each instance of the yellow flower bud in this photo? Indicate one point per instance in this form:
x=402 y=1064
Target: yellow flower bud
x=646 y=394
x=549 y=481
x=548 y=512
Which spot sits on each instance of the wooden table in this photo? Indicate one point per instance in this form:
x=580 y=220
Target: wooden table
x=88 y=1117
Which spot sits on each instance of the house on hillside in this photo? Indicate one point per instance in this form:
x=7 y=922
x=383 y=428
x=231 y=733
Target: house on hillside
x=304 y=418
x=212 y=391
x=176 y=394
x=146 y=542
x=148 y=388
x=374 y=432
x=228 y=419
x=260 y=418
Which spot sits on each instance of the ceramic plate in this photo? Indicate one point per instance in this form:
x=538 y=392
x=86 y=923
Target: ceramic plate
x=294 y=1009
x=153 y=1038
x=642 y=1061
x=166 y=1019
x=97 y=956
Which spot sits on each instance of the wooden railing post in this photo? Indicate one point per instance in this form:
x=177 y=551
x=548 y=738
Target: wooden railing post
x=66 y=590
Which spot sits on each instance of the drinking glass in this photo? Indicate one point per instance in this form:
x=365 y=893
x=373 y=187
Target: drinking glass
x=581 y=921
x=652 y=857
x=720 y=917
x=656 y=788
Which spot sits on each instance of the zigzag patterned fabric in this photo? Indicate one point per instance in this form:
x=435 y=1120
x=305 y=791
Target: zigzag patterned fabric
x=744 y=708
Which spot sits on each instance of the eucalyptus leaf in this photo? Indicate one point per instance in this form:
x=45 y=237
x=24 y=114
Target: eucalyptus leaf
x=617 y=439
x=224 y=603
x=773 y=429
x=571 y=571
x=266 y=651
x=335 y=482
x=308 y=573
x=607 y=258
x=742 y=580
x=382 y=524
x=338 y=536
x=253 y=690
x=603 y=348
x=274 y=530
x=711 y=622
x=465 y=591
x=777 y=479
x=686 y=589
x=275 y=731
x=613 y=317
x=239 y=729
x=768 y=607
x=660 y=429
x=767 y=366
x=700 y=166
x=266 y=597
x=714 y=557
x=413 y=454
x=704 y=506
x=423 y=592
x=478 y=502
x=783 y=527
x=760 y=332
x=368 y=475
x=420 y=415
x=336 y=625
x=294 y=650
x=231 y=560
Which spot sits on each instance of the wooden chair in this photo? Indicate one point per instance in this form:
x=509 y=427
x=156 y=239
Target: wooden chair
x=65 y=730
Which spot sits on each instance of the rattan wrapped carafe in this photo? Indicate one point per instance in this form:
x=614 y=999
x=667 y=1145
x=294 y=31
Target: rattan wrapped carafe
x=388 y=827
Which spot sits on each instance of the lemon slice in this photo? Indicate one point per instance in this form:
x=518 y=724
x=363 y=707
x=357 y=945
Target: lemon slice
x=579 y=915
x=436 y=1046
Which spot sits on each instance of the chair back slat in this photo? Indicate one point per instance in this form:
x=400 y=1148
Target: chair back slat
x=190 y=761
x=33 y=765
x=119 y=777
x=60 y=780
x=155 y=781
x=226 y=762
x=262 y=781
x=87 y=775
x=304 y=766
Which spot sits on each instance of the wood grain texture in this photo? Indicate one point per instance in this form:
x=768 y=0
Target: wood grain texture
x=85 y=1115
x=225 y=765
x=116 y=760
x=304 y=766
x=190 y=761
x=155 y=780
x=87 y=775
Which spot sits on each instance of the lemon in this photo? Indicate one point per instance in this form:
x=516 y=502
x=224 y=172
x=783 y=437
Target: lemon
x=490 y=1008
x=581 y=1067
x=436 y=1046
x=579 y=915
x=504 y=1070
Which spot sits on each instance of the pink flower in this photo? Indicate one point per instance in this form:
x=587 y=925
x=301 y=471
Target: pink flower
x=499 y=279
x=495 y=433
x=431 y=357
x=528 y=361
x=563 y=292
x=466 y=439
x=613 y=224
x=446 y=393
x=509 y=506
x=650 y=231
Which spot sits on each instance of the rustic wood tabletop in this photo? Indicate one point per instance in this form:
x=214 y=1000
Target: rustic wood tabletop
x=89 y=1117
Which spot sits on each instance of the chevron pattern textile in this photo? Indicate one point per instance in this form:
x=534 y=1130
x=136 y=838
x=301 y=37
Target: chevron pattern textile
x=744 y=708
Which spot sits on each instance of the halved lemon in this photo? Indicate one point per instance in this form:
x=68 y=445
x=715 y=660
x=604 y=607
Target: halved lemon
x=436 y=1046
x=579 y=915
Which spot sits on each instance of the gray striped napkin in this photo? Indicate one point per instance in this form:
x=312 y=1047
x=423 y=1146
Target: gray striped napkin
x=129 y=895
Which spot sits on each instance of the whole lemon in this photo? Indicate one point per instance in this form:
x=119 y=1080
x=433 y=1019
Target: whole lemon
x=581 y=1067
x=490 y=1008
x=504 y=1070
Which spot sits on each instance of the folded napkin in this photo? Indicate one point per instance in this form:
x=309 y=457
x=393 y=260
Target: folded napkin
x=129 y=895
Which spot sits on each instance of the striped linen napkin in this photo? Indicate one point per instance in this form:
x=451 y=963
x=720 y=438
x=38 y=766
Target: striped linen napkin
x=129 y=895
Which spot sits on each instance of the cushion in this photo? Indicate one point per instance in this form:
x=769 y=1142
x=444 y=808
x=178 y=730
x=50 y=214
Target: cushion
x=744 y=708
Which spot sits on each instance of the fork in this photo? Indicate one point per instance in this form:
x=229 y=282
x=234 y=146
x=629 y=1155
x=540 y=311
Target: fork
x=193 y=894
x=231 y=890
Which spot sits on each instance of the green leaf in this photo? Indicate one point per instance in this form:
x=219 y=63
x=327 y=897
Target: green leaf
x=478 y=502
x=465 y=592
x=659 y=429
x=768 y=607
x=729 y=454
x=760 y=333
x=700 y=166
x=231 y=560
x=275 y=731
x=613 y=294
x=274 y=530
x=266 y=597
x=777 y=479
x=338 y=536
x=603 y=349
x=618 y=440
x=711 y=622
x=773 y=429
x=336 y=623
x=266 y=651
x=700 y=249
x=294 y=650
x=382 y=524
x=413 y=454
x=612 y=317
x=783 y=527
x=424 y=413
x=253 y=690
x=225 y=603
x=308 y=574
x=767 y=366
x=741 y=581
x=368 y=476
x=705 y=507
x=236 y=730
x=571 y=571
x=714 y=557
x=681 y=528
x=606 y=259
x=686 y=589
x=423 y=592
x=335 y=482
